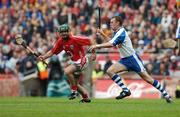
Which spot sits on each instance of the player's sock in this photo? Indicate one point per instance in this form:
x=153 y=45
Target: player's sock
x=160 y=88
x=74 y=93
x=74 y=88
x=117 y=79
x=85 y=96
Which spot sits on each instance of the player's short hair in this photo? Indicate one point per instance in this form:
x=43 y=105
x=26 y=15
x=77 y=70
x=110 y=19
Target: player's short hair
x=118 y=19
x=63 y=28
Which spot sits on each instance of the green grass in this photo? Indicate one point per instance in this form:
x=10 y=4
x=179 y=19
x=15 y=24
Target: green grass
x=62 y=107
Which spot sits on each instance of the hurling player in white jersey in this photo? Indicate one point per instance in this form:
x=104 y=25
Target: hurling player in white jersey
x=129 y=61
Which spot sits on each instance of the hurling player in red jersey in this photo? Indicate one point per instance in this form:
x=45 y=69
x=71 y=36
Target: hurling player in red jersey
x=73 y=46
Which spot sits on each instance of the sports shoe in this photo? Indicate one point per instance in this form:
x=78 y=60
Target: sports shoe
x=85 y=100
x=73 y=95
x=169 y=99
x=123 y=94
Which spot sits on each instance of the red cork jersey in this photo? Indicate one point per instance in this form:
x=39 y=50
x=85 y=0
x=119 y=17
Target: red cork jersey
x=73 y=46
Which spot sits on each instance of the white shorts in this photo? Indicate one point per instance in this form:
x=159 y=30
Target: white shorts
x=81 y=64
x=133 y=63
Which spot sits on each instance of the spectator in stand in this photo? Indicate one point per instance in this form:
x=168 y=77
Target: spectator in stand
x=27 y=64
x=97 y=72
x=156 y=18
x=108 y=63
x=163 y=69
x=149 y=68
x=174 y=65
x=166 y=21
x=140 y=49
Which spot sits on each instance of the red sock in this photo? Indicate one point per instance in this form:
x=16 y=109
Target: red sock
x=74 y=88
x=84 y=96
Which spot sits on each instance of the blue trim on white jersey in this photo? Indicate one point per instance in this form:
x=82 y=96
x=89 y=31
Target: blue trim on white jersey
x=178 y=30
x=123 y=43
x=120 y=38
x=178 y=35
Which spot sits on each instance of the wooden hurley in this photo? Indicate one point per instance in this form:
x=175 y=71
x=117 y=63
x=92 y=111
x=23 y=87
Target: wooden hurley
x=19 y=40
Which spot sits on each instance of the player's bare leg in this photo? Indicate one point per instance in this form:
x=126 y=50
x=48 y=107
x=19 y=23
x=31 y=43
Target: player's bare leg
x=84 y=94
x=145 y=76
x=81 y=89
x=112 y=72
x=73 y=83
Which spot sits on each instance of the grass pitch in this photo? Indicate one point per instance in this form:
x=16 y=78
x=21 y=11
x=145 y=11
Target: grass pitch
x=62 y=107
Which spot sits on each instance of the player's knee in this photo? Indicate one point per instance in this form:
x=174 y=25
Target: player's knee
x=110 y=72
x=66 y=72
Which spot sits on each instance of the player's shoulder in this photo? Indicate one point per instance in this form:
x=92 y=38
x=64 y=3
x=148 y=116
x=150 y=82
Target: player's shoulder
x=79 y=37
x=75 y=36
x=121 y=30
x=59 y=39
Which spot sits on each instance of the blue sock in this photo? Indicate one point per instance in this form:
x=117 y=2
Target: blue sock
x=117 y=79
x=160 y=88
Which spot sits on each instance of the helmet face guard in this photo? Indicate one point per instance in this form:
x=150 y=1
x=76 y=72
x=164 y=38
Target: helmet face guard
x=63 y=28
x=63 y=31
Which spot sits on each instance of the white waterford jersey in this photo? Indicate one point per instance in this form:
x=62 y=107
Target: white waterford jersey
x=123 y=43
x=178 y=30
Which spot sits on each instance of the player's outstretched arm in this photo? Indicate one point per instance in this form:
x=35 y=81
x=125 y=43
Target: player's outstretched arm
x=98 y=46
x=45 y=56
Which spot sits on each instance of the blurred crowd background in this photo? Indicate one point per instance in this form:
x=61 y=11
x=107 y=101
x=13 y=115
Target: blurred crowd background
x=148 y=22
